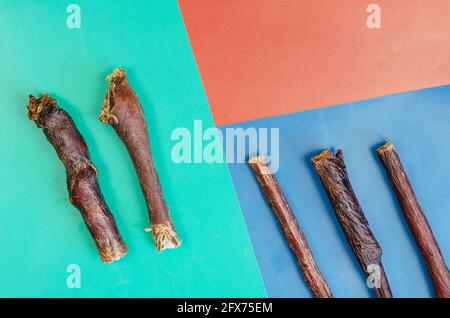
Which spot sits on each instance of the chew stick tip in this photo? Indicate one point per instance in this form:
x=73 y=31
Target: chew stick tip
x=32 y=107
x=165 y=236
x=117 y=74
x=258 y=159
x=37 y=105
x=321 y=156
x=261 y=163
x=106 y=114
x=388 y=146
x=113 y=255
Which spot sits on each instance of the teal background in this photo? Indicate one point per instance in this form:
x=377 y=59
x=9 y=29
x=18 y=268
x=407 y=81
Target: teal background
x=40 y=232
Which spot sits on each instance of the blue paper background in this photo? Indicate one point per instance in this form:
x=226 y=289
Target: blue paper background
x=419 y=125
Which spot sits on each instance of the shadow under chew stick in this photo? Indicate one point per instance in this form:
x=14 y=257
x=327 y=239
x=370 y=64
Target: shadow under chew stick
x=290 y=227
x=123 y=111
x=416 y=219
x=333 y=175
x=82 y=183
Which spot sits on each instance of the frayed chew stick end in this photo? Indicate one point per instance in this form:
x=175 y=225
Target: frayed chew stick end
x=117 y=74
x=321 y=156
x=326 y=155
x=113 y=255
x=106 y=115
x=389 y=146
x=261 y=163
x=258 y=159
x=37 y=106
x=165 y=236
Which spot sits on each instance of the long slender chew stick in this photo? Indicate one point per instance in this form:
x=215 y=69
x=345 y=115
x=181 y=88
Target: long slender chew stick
x=291 y=229
x=333 y=175
x=82 y=183
x=123 y=111
x=416 y=219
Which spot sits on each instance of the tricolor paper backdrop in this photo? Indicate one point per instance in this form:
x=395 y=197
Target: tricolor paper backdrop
x=312 y=69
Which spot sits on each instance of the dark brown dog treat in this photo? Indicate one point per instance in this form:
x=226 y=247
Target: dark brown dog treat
x=82 y=182
x=294 y=235
x=333 y=175
x=123 y=111
x=416 y=219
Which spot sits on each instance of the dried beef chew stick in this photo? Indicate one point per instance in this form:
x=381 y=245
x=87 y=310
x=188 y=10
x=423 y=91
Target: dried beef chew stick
x=123 y=111
x=82 y=183
x=333 y=175
x=290 y=227
x=416 y=219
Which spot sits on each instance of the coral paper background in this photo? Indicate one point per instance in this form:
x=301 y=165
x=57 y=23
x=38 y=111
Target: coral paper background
x=263 y=58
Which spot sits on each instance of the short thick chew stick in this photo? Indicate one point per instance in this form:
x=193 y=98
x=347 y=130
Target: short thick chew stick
x=416 y=219
x=123 y=111
x=291 y=229
x=82 y=183
x=333 y=175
